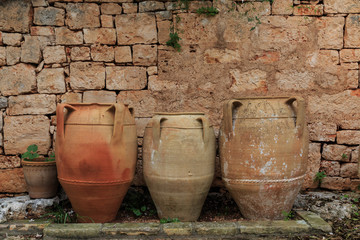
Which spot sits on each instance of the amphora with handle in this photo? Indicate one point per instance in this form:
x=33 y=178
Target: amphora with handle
x=96 y=153
x=263 y=151
x=179 y=161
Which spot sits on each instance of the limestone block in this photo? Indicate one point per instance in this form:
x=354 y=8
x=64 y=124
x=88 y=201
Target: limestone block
x=293 y=80
x=163 y=15
x=9 y=161
x=102 y=53
x=110 y=8
x=163 y=31
x=54 y=54
x=151 y=6
x=107 y=21
x=32 y=104
x=1 y=42
x=30 y=50
x=330 y=32
x=125 y=78
x=71 y=97
x=334 y=183
x=352 y=31
x=336 y=152
x=123 y=54
x=309 y=10
x=350 y=137
x=80 y=54
x=82 y=15
x=136 y=28
x=324 y=132
x=12 y=180
x=340 y=108
x=39 y=3
x=143 y=102
x=12 y=39
x=313 y=165
x=22 y=131
x=153 y=70
x=100 y=35
x=99 y=97
x=2 y=56
x=330 y=168
x=17 y=79
x=145 y=55
x=350 y=65
x=65 y=36
x=49 y=16
x=355 y=155
x=216 y=55
x=51 y=80
x=282 y=7
x=15 y=15
x=254 y=80
x=323 y=58
x=198 y=31
x=42 y=31
x=349 y=170
x=350 y=55
x=130 y=7
x=3 y=102
x=155 y=84
x=87 y=75
x=343 y=6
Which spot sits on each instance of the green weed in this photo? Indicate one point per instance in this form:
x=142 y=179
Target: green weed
x=208 y=11
x=319 y=176
x=169 y=220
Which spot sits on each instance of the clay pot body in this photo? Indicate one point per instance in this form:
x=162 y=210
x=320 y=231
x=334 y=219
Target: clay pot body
x=263 y=151
x=41 y=178
x=96 y=153
x=179 y=160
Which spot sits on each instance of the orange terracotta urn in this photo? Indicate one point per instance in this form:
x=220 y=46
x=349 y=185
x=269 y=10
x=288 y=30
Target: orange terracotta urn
x=96 y=153
x=179 y=161
x=263 y=151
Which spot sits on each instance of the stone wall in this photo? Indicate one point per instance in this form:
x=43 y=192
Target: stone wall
x=54 y=51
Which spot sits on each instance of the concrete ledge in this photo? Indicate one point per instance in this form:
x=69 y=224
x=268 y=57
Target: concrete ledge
x=311 y=224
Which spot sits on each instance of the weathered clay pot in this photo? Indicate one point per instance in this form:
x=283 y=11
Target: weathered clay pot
x=179 y=160
x=263 y=151
x=96 y=152
x=40 y=177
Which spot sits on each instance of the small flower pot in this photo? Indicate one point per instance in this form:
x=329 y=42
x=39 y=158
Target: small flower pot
x=41 y=177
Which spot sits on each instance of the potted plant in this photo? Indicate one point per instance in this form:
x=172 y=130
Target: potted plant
x=40 y=173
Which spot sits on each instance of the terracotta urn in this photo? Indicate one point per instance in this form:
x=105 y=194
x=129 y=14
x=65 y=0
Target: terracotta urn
x=263 y=151
x=96 y=151
x=179 y=159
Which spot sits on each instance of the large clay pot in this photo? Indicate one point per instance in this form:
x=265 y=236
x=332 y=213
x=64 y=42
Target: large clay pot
x=263 y=151
x=41 y=178
x=179 y=161
x=96 y=152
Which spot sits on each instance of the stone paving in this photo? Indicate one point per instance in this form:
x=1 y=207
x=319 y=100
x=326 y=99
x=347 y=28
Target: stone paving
x=309 y=224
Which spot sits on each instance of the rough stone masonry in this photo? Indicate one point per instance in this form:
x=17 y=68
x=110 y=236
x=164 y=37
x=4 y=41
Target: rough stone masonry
x=54 y=51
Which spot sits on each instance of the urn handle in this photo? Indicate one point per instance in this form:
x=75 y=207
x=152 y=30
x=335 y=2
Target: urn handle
x=206 y=128
x=156 y=125
x=228 y=115
x=60 y=122
x=119 y=118
x=299 y=111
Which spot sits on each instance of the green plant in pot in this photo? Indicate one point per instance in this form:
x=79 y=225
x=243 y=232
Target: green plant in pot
x=40 y=173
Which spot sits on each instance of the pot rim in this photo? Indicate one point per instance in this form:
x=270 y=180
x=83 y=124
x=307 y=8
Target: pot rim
x=34 y=162
x=179 y=113
x=266 y=97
